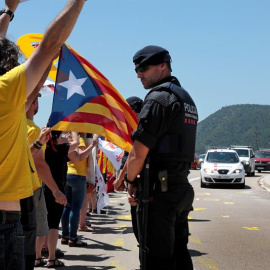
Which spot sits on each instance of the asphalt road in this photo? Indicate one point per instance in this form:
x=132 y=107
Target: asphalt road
x=229 y=231
x=230 y=227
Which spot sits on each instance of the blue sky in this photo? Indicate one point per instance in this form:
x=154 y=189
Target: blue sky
x=220 y=48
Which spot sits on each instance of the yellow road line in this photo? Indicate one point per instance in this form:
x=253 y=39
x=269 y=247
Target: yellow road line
x=116 y=264
x=208 y=263
x=119 y=242
x=211 y=200
x=199 y=209
x=195 y=240
x=128 y=217
x=121 y=227
x=251 y=228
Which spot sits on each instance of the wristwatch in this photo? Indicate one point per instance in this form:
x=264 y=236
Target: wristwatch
x=7 y=11
x=129 y=181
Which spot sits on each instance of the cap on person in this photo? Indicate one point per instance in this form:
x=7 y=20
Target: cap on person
x=135 y=103
x=151 y=55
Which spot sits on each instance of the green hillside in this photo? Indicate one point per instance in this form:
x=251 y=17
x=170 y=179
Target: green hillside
x=247 y=124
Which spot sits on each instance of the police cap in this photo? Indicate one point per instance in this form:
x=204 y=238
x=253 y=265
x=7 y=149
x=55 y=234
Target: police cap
x=151 y=55
x=135 y=103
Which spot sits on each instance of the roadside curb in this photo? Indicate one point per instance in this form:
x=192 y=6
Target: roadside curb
x=263 y=184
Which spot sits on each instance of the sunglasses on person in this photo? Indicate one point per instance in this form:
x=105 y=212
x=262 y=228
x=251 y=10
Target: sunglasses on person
x=141 y=68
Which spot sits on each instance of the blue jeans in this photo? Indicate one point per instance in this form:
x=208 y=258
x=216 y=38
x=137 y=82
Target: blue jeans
x=75 y=193
x=11 y=244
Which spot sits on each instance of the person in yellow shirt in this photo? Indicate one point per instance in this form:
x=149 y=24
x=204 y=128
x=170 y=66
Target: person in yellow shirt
x=17 y=82
x=75 y=191
x=45 y=175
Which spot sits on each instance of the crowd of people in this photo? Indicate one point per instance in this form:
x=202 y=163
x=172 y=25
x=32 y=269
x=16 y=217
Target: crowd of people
x=47 y=177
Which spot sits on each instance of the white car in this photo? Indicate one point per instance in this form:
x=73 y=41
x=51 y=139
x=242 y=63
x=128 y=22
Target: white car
x=222 y=166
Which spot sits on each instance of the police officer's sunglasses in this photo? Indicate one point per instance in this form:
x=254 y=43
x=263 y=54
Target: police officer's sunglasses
x=141 y=68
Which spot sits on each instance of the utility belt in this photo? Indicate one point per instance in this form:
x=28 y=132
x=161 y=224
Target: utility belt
x=9 y=216
x=159 y=181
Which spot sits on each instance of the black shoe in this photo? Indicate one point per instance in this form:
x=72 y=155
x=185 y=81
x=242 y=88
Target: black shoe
x=103 y=212
x=58 y=253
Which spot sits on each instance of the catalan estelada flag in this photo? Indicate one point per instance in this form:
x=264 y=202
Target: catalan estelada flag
x=85 y=101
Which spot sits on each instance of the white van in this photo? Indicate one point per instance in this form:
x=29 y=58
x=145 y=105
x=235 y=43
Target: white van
x=246 y=156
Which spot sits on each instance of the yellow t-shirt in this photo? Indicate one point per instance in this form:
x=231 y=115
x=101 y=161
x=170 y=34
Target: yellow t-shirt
x=16 y=162
x=80 y=167
x=33 y=132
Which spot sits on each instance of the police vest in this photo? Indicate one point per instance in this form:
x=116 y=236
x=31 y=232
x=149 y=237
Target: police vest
x=181 y=143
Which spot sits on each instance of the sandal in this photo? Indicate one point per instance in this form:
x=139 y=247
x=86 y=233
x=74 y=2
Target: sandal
x=40 y=262
x=85 y=229
x=88 y=213
x=64 y=240
x=54 y=263
x=76 y=243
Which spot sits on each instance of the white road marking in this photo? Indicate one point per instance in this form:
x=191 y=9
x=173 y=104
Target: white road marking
x=194 y=179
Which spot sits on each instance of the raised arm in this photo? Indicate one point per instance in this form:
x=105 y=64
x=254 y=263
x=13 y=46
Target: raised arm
x=82 y=153
x=55 y=35
x=11 y=6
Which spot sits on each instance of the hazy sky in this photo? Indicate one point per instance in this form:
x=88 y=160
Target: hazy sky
x=220 y=48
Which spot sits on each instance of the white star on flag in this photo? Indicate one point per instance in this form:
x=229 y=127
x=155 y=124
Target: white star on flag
x=73 y=85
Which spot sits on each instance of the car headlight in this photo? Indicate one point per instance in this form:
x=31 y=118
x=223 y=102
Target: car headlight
x=268 y=162
x=207 y=170
x=237 y=171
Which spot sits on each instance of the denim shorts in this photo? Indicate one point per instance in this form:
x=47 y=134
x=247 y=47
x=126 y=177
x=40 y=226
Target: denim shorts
x=11 y=245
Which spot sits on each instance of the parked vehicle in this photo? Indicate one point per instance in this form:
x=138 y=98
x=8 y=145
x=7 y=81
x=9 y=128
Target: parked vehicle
x=262 y=160
x=247 y=157
x=194 y=164
x=222 y=166
x=201 y=159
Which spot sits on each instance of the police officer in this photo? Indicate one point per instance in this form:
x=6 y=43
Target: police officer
x=166 y=135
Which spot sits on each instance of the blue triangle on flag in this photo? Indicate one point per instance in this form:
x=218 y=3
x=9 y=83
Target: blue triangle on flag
x=73 y=87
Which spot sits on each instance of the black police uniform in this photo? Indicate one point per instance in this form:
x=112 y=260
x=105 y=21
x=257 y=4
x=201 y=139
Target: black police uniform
x=167 y=126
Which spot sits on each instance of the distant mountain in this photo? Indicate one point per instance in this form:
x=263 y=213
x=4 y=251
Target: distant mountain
x=247 y=124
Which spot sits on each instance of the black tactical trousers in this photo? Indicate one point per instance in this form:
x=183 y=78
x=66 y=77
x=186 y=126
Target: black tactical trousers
x=167 y=235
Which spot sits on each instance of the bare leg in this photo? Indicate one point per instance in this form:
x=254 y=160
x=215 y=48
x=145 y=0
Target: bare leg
x=82 y=221
x=39 y=244
x=52 y=242
x=94 y=200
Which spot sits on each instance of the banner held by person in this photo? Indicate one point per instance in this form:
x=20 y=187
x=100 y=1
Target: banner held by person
x=101 y=189
x=112 y=152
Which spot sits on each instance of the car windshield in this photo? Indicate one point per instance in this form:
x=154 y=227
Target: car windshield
x=242 y=152
x=222 y=157
x=202 y=156
x=262 y=154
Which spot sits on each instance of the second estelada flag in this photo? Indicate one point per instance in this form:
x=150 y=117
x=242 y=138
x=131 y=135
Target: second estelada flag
x=85 y=101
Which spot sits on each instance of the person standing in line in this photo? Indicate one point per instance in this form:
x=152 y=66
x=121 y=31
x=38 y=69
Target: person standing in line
x=85 y=226
x=135 y=104
x=45 y=176
x=56 y=154
x=75 y=190
x=17 y=82
x=166 y=136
